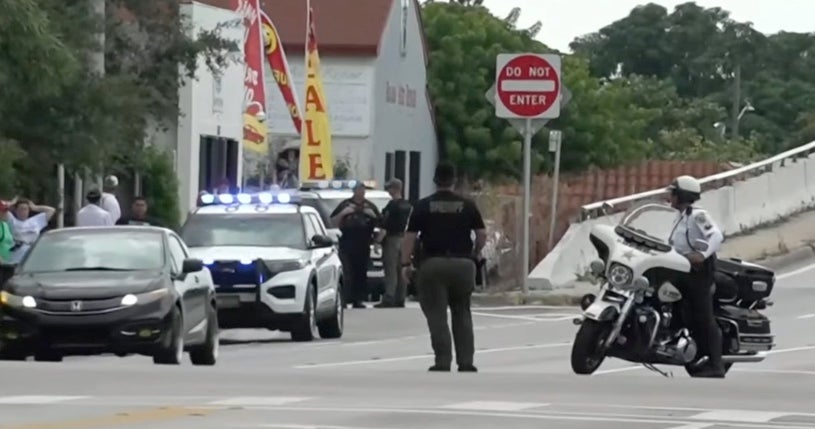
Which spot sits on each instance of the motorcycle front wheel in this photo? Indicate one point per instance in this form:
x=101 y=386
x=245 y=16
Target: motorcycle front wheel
x=587 y=350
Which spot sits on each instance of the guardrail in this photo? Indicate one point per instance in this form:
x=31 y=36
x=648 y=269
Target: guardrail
x=616 y=205
x=740 y=199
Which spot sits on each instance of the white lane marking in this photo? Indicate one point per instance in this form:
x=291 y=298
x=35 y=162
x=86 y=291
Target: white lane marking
x=427 y=356
x=517 y=415
x=795 y=272
x=268 y=401
x=285 y=426
x=694 y=426
x=494 y=406
x=807 y=316
x=616 y=370
x=532 y=318
x=37 y=399
x=791 y=350
x=776 y=371
x=745 y=416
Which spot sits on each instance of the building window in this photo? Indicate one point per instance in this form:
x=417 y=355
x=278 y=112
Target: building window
x=403 y=41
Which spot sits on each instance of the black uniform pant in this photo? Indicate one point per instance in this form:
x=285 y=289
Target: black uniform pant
x=355 y=257
x=443 y=282
x=698 y=288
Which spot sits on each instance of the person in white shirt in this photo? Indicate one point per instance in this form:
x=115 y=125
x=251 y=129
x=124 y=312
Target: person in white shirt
x=25 y=228
x=92 y=214
x=109 y=201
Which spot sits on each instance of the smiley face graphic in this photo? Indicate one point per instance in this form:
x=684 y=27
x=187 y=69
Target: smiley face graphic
x=270 y=41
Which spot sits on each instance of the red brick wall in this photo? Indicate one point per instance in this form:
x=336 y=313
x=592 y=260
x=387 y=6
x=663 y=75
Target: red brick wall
x=585 y=188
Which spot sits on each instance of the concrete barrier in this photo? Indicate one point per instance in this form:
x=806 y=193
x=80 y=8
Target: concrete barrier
x=740 y=200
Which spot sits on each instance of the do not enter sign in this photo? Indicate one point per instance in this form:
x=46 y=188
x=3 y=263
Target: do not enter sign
x=527 y=86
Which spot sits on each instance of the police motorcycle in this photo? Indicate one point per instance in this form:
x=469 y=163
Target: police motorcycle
x=639 y=316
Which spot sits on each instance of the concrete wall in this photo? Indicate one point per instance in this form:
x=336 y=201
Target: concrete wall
x=786 y=188
x=208 y=105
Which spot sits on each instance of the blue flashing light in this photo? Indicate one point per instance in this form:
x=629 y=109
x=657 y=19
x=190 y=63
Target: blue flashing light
x=247 y=261
x=337 y=184
x=208 y=261
x=262 y=198
x=244 y=198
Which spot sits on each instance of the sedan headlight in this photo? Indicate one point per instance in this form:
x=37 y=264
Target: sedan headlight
x=619 y=275
x=292 y=265
x=12 y=300
x=129 y=300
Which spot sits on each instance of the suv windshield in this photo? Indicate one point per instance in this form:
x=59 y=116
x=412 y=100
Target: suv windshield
x=256 y=230
x=76 y=250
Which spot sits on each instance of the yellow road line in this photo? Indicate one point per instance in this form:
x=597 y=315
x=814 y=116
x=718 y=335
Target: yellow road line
x=151 y=415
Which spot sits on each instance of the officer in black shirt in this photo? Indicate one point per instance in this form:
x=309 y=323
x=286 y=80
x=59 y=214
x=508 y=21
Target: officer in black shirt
x=394 y=220
x=356 y=218
x=138 y=215
x=446 y=275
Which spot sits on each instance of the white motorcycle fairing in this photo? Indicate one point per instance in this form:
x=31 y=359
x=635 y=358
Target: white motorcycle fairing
x=639 y=259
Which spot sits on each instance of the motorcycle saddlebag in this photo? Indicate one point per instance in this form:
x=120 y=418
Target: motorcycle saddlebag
x=754 y=282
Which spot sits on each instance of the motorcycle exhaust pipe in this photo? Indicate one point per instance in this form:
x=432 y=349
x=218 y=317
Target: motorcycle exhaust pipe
x=759 y=357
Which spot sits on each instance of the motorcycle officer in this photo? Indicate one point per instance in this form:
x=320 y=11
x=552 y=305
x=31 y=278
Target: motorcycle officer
x=693 y=225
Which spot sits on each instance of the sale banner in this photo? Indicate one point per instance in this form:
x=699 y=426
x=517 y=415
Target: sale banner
x=316 y=152
x=254 y=130
x=280 y=68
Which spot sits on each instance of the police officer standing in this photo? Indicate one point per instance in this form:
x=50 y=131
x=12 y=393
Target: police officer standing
x=696 y=236
x=394 y=221
x=446 y=272
x=356 y=218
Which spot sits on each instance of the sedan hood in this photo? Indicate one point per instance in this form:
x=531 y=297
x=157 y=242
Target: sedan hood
x=208 y=254
x=84 y=284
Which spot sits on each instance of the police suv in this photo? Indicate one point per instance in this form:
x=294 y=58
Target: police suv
x=326 y=195
x=272 y=261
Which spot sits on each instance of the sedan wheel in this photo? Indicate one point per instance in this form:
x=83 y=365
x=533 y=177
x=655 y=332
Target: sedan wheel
x=173 y=353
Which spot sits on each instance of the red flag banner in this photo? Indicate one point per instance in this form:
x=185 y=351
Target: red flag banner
x=280 y=68
x=254 y=131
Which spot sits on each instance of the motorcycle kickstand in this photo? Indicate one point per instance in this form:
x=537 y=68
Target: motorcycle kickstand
x=665 y=374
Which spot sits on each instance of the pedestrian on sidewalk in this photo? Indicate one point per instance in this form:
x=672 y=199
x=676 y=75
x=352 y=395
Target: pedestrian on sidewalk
x=395 y=216
x=25 y=228
x=109 y=201
x=446 y=275
x=93 y=214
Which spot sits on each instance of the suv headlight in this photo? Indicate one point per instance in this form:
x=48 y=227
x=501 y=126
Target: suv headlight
x=292 y=265
x=12 y=300
x=619 y=275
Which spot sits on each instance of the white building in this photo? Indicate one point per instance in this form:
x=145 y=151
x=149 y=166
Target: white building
x=374 y=63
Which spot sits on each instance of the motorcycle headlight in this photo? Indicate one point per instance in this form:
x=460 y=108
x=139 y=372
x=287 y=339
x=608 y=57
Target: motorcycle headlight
x=619 y=275
x=12 y=300
x=292 y=265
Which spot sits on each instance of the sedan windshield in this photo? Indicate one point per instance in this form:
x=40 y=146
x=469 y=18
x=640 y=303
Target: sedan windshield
x=78 y=250
x=268 y=230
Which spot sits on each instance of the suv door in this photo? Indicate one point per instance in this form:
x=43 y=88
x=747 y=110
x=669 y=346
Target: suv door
x=192 y=288
x=320 y=258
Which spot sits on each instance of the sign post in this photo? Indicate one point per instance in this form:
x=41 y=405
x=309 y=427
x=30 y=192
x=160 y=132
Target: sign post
x=555 y=138
x=528 y=92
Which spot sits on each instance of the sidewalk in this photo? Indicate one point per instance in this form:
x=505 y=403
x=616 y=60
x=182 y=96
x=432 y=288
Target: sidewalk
x=776 y=246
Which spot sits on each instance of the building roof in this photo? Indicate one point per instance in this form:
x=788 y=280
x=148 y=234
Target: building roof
x=344 y=27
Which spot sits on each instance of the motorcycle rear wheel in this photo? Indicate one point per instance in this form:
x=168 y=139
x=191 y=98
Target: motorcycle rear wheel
x=587 y=350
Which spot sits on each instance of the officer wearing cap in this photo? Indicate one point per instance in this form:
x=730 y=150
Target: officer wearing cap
x=356 y=218
x=394 y=221
x=447 y=270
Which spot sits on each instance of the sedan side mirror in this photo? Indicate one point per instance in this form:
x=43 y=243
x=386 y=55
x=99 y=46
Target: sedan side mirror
x=192 y=266
x=320 y=241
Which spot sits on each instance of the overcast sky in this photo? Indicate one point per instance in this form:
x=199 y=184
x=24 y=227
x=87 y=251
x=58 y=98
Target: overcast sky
x=563 y=20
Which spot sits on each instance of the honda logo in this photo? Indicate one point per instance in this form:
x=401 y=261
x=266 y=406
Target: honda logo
x=76 y=306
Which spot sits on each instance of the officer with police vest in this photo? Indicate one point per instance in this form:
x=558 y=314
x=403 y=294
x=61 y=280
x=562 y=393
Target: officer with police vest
x=447 y=269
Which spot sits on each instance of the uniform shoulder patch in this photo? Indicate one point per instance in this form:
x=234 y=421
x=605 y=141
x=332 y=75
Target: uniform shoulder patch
x=702 y=220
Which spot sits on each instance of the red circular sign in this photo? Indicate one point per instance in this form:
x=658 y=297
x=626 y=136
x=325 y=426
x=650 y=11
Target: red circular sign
x=528 y=85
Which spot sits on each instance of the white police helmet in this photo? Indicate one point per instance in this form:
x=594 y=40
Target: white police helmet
x=686 y=188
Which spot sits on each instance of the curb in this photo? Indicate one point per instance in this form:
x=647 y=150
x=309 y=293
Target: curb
x=571 y=296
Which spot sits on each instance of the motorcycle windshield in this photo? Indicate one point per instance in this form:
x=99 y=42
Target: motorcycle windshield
x=651 y=219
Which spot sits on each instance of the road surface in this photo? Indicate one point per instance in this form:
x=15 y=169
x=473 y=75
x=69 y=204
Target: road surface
x=375 y=378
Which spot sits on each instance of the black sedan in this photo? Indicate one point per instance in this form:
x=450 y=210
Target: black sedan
x=123 y=290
